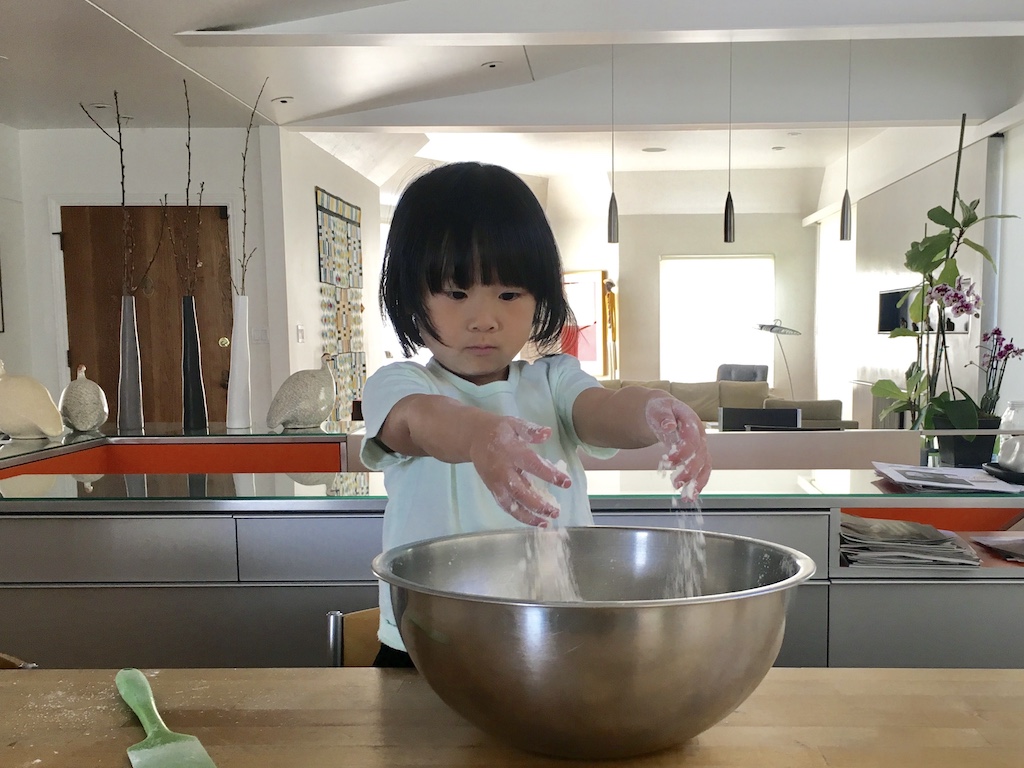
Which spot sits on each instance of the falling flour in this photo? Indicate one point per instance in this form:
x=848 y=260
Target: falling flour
x=690 y=569
x=547 y=565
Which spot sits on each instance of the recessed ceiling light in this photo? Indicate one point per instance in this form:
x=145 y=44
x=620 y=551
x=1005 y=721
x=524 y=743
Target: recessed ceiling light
x=653 y=149
x=282 y=100
x=491 y=64
x=777 y=149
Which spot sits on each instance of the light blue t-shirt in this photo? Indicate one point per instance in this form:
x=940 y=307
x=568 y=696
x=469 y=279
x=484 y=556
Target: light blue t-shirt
x=429 y=498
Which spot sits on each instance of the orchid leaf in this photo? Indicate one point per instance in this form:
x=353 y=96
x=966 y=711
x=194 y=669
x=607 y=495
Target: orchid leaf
x=962 y=414
x=916 y=311
x=999 y=216
x=968 y=212
x=980 y=249
x=950 y=272
x=921 y=256
x=902 y=332
x=943 y=218
x=888 y=389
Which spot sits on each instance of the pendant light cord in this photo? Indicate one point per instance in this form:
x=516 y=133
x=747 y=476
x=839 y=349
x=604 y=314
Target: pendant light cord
x=849 y=90
x=730 y=116
x=613 y=118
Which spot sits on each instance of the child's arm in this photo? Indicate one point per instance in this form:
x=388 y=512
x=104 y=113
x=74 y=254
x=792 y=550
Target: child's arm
x=498 y=446
x=635 y=417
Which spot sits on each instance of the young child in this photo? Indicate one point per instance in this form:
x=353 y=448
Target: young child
x=472 y=273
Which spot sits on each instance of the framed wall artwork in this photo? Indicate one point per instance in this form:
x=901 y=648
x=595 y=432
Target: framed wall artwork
x=341 y=299
x=588 y=339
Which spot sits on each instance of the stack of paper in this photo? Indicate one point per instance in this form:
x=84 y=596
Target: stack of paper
x=871 y=542
x=944 y=478
x=1007 y=547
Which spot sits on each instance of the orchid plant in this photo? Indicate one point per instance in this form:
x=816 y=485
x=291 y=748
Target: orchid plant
x=996 y=352
x=943 y=295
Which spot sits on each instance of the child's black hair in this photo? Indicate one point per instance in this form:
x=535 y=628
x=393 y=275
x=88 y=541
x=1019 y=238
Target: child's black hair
x=469 y=223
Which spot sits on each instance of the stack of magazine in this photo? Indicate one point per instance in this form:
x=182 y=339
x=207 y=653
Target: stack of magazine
x=870 y=542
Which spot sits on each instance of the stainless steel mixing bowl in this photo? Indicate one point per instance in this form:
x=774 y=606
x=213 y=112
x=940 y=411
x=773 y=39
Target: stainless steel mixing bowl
x=630 y=669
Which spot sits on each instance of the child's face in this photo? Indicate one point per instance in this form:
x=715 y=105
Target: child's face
x=483 y=327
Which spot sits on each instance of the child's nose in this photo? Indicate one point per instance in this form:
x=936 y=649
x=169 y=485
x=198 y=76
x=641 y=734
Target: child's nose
x=484 y=318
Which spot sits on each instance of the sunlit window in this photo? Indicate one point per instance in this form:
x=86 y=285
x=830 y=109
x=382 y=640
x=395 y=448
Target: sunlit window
x=710 y=309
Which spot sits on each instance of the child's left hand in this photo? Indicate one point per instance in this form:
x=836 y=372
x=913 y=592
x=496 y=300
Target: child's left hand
x=676 y=425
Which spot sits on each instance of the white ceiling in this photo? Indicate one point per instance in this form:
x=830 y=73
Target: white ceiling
x=379 y=82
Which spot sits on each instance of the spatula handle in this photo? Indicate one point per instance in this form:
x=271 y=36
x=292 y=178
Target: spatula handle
x=134 y=689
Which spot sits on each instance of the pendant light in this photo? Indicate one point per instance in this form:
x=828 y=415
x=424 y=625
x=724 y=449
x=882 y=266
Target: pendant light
x=730 y=213
x=613 y=206
x=846 y=214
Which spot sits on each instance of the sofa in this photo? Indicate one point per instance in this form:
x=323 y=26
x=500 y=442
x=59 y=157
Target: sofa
x=706 y=397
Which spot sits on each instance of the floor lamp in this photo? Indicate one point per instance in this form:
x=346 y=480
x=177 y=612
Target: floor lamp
x=780 y=330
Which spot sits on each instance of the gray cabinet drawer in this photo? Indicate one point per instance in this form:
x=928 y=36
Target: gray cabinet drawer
x=803 y=531
x=298 y=548
x=926 y=624
x=117 y=549
x=108 y=627
x=805 y=643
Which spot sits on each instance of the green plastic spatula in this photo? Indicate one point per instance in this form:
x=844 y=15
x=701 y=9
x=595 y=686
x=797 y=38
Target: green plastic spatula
x=162 y=748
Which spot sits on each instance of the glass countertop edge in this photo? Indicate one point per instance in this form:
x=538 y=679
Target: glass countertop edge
x=608 y=490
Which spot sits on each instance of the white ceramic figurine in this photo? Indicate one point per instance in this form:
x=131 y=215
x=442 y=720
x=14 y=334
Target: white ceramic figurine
x=83 y=405
x=305 y=399
x=27 y=410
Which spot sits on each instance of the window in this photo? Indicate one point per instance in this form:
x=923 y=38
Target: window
x=710 y=309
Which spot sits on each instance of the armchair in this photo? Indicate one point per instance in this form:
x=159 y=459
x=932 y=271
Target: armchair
x=738 y=372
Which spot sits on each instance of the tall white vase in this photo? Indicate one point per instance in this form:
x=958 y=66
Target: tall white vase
x=239 y=405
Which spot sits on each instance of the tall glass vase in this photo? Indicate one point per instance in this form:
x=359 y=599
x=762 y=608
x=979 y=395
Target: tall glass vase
x=129 y=383
x=193 y=394
x=239 y=405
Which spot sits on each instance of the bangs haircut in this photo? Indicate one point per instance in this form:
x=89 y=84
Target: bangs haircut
x=465 y=224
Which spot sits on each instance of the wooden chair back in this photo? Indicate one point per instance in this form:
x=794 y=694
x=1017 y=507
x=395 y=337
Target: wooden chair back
x=353 y=637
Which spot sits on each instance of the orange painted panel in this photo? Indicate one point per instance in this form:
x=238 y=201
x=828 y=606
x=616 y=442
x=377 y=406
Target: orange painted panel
x=958 y=519
x=190 y=458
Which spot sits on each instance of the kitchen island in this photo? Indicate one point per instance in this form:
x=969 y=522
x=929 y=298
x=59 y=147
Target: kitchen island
x=229 y=551
x=368 y=718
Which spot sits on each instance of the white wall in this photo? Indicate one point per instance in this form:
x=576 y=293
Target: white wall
x=291 y=228
x=80 y=167
x=644 y=239
x=14 y=346
x=836 y=266
x=887 y=222
x=577 y=207
x=1010 y=316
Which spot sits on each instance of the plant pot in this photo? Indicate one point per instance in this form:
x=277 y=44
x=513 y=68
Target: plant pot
x=959 y=450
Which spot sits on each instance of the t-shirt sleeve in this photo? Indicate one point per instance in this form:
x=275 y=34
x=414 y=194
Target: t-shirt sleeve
x=382 y=391
x=567 y=381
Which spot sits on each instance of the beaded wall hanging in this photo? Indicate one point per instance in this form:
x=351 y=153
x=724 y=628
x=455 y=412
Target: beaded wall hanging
x=341 y=300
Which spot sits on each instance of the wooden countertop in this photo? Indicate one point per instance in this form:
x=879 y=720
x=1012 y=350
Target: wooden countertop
x=357 y=718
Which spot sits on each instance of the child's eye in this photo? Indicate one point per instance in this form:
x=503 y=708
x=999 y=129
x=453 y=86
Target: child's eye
x=509 y=295
x=455 y=294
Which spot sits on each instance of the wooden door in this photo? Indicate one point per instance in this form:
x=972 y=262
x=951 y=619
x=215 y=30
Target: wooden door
x=92 y=237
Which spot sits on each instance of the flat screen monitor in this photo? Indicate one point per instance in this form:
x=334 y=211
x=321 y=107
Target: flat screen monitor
x=890 y=314
x=739 y=419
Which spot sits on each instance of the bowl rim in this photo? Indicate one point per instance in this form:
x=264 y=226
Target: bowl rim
x=805 y=570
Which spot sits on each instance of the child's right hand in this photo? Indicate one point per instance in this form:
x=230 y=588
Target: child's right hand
x=504 y=459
